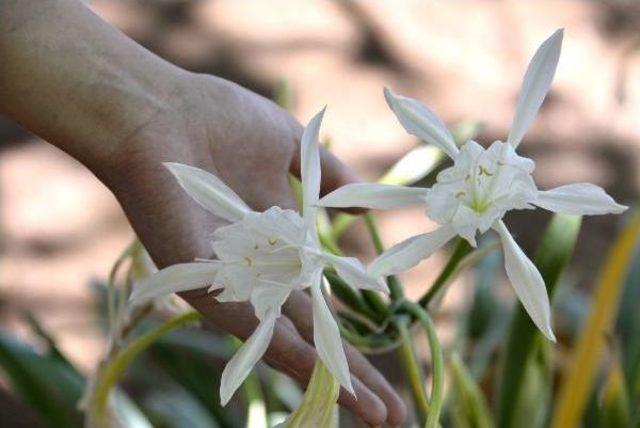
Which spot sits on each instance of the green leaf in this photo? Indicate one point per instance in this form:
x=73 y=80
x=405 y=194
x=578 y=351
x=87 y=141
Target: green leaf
x=628 y=329
x=616 y=410
x=551 y=258
x=175 y=408
x=319 y=401
x=50 y=386
x=195 y=369
x=585 y=359
x=530 y=407
x=469 y=404
x=484 y=306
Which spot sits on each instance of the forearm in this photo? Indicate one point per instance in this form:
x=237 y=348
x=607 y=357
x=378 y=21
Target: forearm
x=76 y=81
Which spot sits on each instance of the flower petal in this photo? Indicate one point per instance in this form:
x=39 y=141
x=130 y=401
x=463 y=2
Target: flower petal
x=373 y=195
x=535 y=85
x=527 y=282
x=239 y=367
x=410 y=252
x=180 y=277
x=209 y=191
x=269 y=298
x=418 y=120
x=310 y=169
x=579 y=199
x=326 y=337
x=353 y=272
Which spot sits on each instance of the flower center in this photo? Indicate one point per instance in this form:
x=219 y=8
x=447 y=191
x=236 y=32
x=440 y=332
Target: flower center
x=263 y=248
x=481 y=186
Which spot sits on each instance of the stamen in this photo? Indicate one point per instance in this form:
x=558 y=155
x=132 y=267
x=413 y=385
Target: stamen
x=483 y=170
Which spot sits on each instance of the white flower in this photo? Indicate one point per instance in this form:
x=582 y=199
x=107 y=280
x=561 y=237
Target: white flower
x=482 y=185
x=261 y=258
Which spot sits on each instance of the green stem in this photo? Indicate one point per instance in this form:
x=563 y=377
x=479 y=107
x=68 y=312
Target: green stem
x=395 y=288
x=372 y=227
x=111 y=284
x=340 y=223
x=347 y=295
x=114 y=369
x=377 y=305
x=437 y=364
x=370 y=344
x=461 y=249
x=329 y=244
x=372 y=299
x=412 y=369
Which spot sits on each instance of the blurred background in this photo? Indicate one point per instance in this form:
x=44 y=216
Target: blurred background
x=60 y=229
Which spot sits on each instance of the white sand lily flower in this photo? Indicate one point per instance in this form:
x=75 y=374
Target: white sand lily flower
x=261 y=258
x=482 y=185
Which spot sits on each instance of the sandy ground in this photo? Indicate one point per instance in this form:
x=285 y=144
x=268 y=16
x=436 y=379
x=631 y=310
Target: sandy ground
x=60 y=227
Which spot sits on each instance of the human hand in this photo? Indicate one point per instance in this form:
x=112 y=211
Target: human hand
x=251 y=144
x=122 y=111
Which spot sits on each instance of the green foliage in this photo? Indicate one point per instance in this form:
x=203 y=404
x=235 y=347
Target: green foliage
x=468 y=404
x=522 y=352
x=43 y=380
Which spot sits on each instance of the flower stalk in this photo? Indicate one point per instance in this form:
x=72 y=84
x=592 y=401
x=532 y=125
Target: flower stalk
x=460 y=251
x=437 y=363
x=395 y=288
x=109 y=376
x=412 y=369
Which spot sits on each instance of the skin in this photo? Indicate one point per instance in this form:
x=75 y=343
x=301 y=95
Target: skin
x=71 y=78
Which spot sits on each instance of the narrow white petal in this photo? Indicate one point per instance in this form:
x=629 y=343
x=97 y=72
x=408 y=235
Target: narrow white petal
x=373 y=195
x=527 y=282
x=535 y=85
x=209 y=191
x=410 y=252
x=353 y=272
x=418 y=120
x=326 y=337
x=310 y=168
x=239 y=367
x=579 y=199
x=180 y=277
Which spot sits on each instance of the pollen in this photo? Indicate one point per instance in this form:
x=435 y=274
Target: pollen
x=249 y=261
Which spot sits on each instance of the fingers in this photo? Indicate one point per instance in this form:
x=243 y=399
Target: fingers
x=291 y=354
x=288 y=351
x=297 y=308
x=373 y=379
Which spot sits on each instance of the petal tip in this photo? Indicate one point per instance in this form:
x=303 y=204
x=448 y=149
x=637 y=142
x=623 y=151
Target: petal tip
x=350 y=390
x=225 y=397
x=619 y=208
x=389 y=96
x=549 y=335
x=383 y=286
x=556 y=38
